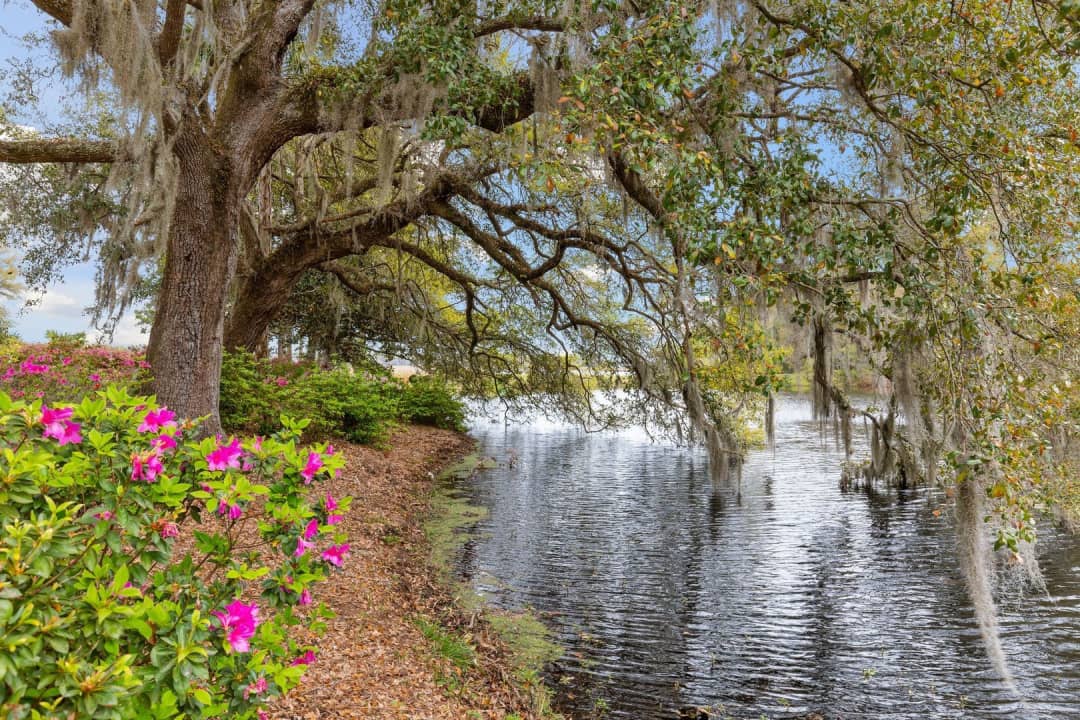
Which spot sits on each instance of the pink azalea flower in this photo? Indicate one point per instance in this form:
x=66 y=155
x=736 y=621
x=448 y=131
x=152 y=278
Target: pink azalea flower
x=334 y=519
x=311 y=530
x=54 y=420
x=157 y=419
x=256 y=688
x=30 y=368
x=302 y=546
x=331 y=503
x=329 y=449
x=335 y=554
x=225 y=456
x=104 y=515
x=146 y=466
x=165 y=442
x=233 y=510
x=256 y=444
x=239 y=621
x=59 y=426
x=94 y=377
x=314 y=464
x=170 y=530
x=66 y=361
x=282 y=382
x=71 y=434
x=305 y=597
x=305 y=659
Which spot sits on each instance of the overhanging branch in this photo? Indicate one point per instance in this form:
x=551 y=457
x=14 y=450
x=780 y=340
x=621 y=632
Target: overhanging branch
x=57 y=150
x=57 y=9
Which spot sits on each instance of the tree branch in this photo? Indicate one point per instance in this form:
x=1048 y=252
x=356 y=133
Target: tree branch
x=169 y=40
x=58 y=150
x=635 y=187
x=531 y=22
x=57 y=9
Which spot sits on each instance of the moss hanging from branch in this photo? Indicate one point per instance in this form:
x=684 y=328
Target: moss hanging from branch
x=822 y=359
x=975 y=562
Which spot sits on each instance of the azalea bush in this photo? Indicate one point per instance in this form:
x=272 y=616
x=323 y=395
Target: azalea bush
x=148 y=573
x=359 y=405
x=428 y=401
x=65 y=368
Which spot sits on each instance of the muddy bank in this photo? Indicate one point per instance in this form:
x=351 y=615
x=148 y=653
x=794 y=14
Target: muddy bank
x=402 y=644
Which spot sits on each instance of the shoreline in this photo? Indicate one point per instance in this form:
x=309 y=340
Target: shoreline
x=408 y=642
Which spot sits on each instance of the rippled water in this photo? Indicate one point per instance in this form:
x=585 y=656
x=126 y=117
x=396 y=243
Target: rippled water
x=788 y=598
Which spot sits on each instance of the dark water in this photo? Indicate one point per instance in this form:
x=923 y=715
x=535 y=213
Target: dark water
x=789 y=598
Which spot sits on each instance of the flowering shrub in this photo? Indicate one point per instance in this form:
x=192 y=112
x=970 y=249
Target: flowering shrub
x=361 y=405
x=68 y=370
x=145 y=573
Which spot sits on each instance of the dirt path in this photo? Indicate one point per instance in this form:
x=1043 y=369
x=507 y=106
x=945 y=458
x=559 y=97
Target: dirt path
x=374 y=662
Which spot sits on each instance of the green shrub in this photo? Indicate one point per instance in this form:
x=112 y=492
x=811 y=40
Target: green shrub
x=357 y=407
x=362 y=406
x=428 y=401
x=124 y=591
x=247 y=403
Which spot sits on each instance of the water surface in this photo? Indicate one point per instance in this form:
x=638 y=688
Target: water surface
x=787 y=597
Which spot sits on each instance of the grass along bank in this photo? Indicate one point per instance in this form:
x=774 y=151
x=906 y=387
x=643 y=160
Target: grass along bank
x=525 y=641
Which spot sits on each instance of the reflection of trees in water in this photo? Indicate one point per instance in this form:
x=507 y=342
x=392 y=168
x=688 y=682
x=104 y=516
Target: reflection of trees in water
x=676 y=593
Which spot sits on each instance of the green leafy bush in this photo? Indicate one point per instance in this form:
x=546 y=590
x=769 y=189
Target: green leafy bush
x=124 y=589
x=362 y=406
x=428 y=401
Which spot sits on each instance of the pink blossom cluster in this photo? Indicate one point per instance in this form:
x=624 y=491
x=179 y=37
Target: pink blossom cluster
x=334 y=554
x=331 y=505
x=239 y=621
x=147 y=465
x=48 y=371
x=305 y=659
x=59 y=426
x=224 y=457
x=314 y=464
x=256 y=688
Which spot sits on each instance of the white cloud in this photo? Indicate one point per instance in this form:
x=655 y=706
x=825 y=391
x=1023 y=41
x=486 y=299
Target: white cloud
x=58 y=304
x=63 y=308
x=128 y=332
x=59 y=310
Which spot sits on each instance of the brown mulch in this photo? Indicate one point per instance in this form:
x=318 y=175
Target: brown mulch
x=373 y=662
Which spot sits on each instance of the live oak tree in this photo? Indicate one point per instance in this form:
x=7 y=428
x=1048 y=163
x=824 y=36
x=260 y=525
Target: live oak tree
x=214 y=93
x=207 y=94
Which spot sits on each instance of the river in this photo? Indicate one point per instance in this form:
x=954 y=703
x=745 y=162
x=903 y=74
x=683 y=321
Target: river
x=785 y=598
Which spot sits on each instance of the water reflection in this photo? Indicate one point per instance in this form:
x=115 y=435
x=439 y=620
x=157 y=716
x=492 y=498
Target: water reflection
x=783 y=598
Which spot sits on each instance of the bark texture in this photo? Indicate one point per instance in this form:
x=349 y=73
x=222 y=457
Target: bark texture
x=57 y=150
x=186 y=338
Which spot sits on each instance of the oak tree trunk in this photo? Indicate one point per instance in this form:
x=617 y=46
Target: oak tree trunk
x=186 y=339
x=260 y=298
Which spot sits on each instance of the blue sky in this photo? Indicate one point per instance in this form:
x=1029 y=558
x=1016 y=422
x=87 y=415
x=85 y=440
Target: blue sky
x=62 y=307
